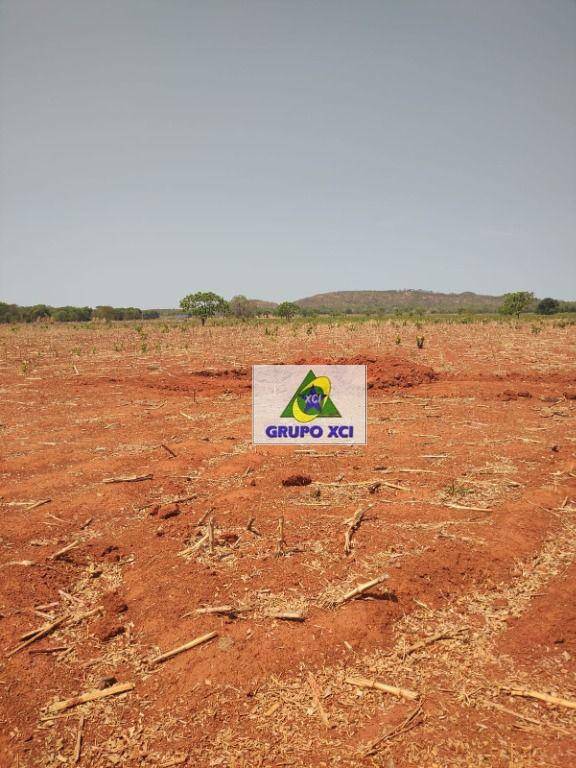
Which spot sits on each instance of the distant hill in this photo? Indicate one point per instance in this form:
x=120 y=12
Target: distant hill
x=389 y=301
x=263 y=306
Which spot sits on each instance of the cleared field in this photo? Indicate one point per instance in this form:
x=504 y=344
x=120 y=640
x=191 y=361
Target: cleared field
x=136 y=516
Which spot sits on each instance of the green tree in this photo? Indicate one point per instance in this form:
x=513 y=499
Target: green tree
x=515 y=303
x=38 y=311
x=241 y=307
x=104 y=312
x=548 y=306
x=203 y=305
x=72 y=314
x=9 y=313
x=287 y=310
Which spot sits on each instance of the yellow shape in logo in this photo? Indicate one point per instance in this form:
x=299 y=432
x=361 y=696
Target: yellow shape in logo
x=309 y=402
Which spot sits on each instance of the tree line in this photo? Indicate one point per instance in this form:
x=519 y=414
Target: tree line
x=13 y=313
x=205 y=304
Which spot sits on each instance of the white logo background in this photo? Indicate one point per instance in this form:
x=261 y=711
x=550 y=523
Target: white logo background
x=273 y=386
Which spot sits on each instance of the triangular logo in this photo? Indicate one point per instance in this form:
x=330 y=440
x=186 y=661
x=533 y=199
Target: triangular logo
x=311 y=400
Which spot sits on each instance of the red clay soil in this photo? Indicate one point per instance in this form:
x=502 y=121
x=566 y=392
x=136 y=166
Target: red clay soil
x=383 y=372
x=135 y=507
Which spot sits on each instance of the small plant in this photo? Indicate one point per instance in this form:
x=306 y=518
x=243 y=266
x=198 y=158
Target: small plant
x=454 y=490
x=144 y=348
x=24 y=367
x=398 y=341
x=420 y=342
x=536 y=329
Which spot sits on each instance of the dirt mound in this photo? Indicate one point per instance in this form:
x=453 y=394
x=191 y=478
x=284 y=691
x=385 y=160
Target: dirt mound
x=218 y=373
x=392 y=371
x=384 y=372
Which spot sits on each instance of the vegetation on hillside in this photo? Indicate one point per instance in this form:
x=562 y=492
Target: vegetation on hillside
x=388 y=302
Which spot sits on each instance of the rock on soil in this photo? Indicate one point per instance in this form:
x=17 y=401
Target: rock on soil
x=296 y=480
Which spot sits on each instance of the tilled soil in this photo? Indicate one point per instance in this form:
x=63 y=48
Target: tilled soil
x=131 y=497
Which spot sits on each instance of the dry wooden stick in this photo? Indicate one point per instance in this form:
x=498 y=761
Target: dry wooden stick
x=203 y=518
x=250 y=527
x=186 y=647
x=316 y=696
x=201 y=541
x=364 y=682
x=281 y=541
x=211 y=535
x=353 y=526
x=227 y=610
x=287 y=615
x=94 y=695
x=78 y=748
x=177 y=500
x=533 y=720
x=38 y=635
x=46 y=606
x=127 y=479
x=174 y=761
x=93 y=612
x=393 y=485
x=38 y=503
x=361 y=588
x=526 y=693
x=462 y=506
x=168 y=450
x=30 y=633
x=429 y=640
x=64 y=550
x=434 y=455
x=56 y=649
x=403 y=727
x=354 y=483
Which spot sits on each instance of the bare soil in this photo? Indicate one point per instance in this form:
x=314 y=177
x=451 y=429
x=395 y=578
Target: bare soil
x=134 y=446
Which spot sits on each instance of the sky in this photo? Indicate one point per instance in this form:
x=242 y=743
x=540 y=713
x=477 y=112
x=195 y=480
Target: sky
x=281 y=148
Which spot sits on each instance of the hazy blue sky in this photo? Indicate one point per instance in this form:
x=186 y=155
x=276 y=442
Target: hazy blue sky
x=280 y=148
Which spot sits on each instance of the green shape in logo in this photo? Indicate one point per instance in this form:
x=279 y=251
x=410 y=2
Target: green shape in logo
x=311 y=400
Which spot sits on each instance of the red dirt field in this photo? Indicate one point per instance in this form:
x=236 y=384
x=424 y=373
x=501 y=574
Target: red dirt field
x=468 y=489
